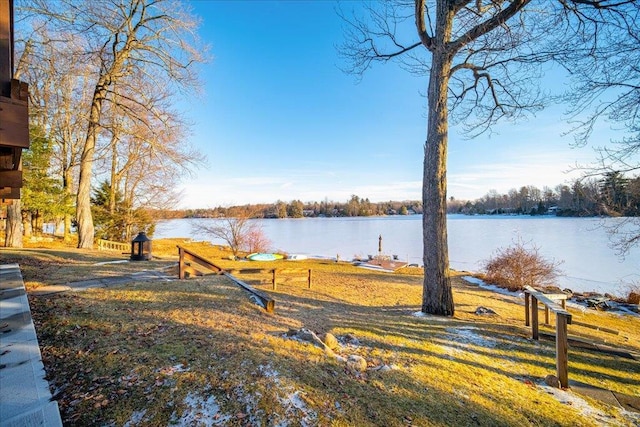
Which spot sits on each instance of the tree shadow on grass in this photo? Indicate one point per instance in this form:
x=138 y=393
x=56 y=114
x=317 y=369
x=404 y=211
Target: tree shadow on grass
x=98 y=342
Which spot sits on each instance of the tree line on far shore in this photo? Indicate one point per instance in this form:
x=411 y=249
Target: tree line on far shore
x=611 y=195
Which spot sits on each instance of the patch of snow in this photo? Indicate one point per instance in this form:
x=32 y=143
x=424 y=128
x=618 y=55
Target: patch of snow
x=291 y=401
x=170 y=370
x=122 y=261
x=465 y=335
x=201 y=412
x=481 y=283
x=579 y=404
x=269 y=372
x=577 y=306
x=294 y=405
x=431 y=316
x=136 y=418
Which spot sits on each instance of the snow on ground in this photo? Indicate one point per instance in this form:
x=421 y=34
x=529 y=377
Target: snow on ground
x=136 y=418
x=201 y=411
x=463 y=338
x=492 y=288
x=583 y=407
x=291 y=400
x=431 y=316
x=465 y=335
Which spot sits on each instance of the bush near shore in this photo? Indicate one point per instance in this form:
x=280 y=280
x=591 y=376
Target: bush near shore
x=199 y=352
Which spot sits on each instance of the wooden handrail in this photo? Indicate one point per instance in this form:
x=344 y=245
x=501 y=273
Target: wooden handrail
x=263 y=299
x=274 y=272
x=563 y=318
x=109 y=245
x=185 y=269
x=186 y=257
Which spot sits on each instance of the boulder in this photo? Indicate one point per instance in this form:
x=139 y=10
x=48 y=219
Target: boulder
x=484 y=311
x=356 y=363
x=331 y=341
x=351 y=339
x=552 y=381
x=310 y=337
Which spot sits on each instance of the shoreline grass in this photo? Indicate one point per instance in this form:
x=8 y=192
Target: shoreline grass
x=199 y=352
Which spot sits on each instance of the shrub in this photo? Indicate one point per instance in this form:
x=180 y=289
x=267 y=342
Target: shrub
x=633 y=294
x=517 y=266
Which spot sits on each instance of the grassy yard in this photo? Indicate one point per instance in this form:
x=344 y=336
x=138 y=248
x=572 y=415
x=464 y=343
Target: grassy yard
x=199 y=352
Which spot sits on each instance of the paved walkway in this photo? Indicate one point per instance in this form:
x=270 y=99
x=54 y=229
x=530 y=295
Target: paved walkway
x=105 y=282
x=25 y=398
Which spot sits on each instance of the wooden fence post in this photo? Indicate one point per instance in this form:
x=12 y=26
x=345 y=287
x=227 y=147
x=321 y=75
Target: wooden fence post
x=181 y=272
x=546 y=315
x=273 y=279
x=527 y=309
x=534 y=317
x=309 y=278
x=562 y=359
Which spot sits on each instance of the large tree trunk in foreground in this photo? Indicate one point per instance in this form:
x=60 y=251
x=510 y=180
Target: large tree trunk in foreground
x=437 y=296
x=13 y=232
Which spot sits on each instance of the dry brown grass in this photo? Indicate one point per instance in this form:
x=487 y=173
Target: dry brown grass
x=144 y=352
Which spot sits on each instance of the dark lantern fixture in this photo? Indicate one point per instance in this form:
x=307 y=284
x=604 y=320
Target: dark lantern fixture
x=141 y=247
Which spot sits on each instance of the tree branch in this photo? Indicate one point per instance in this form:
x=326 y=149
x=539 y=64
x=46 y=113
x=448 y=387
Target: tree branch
x=487 y=26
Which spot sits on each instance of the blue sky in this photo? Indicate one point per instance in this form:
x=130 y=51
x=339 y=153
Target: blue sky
x=279 y=120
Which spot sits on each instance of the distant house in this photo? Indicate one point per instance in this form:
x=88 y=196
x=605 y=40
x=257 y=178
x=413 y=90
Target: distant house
x=553 y=210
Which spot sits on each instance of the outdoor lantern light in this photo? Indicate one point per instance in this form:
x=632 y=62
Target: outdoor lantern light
x=141 y=247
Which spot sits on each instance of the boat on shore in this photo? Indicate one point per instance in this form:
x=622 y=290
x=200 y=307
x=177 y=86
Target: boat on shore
x=259 y=256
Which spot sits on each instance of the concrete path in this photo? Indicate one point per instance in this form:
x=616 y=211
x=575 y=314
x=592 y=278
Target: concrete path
x=25 y=399
x=105 y=282
x=619 y=400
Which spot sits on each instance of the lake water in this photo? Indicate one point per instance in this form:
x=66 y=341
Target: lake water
x=581 y=243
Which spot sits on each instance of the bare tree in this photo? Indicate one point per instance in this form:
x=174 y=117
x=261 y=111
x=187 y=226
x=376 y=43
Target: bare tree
x=482 y=60
x=239 y=232
x=148 y=148
x=148 y=38
x=608 y=91
x=59 y=94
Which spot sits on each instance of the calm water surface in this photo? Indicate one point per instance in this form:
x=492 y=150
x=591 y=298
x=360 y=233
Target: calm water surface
x=581 y=243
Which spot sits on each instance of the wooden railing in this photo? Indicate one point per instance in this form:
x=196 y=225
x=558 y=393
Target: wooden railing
x=303 y=275
x=108 y=245
x=186 y=266
x=563 y=318
x=192 y=264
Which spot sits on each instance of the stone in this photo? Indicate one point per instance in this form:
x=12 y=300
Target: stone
x=331 y=341
x=484 y=311
x=351 y=339
x=552 y=381
x=309 y=336
x=356 y=363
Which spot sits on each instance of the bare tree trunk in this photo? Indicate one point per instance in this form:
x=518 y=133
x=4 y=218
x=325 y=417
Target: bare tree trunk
x=83 y=202
x=27 y=230
x=437 y=296
x=66 y=183
x=114 y=170
x=13 y=232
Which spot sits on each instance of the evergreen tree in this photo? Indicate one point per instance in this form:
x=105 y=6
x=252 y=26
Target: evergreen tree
x=125 y=220
x=42 y=195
